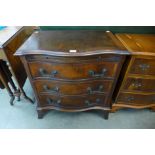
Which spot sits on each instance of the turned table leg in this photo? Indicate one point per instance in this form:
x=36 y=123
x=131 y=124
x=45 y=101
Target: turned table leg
x=2 y=78
x=7 y=75
x=16 y=91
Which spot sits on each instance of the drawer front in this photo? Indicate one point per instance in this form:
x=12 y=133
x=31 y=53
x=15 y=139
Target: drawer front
x=138 y=84
x=135 y=99
x=73 y=88
x=105 y=57
x=72 y=102
x=143 y=66
x=73 y=71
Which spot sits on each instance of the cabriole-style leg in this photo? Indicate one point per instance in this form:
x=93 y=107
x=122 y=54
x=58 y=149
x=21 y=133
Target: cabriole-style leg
x=106 y=114
x=40 y=114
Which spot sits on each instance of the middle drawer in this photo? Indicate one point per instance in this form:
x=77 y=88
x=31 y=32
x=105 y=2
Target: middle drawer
x=73 y=88
x=139 y=85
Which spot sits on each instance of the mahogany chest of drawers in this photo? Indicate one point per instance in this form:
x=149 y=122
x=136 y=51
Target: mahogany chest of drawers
x=137 y=81
x=73 y=70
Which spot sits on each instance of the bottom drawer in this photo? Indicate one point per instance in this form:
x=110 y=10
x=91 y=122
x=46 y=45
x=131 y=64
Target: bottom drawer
x=135 y=99
x=73 y=102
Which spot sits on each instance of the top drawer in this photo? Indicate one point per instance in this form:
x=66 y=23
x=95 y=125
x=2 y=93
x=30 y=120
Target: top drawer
x=72 y=71
x=45 y=58
x=143 y=66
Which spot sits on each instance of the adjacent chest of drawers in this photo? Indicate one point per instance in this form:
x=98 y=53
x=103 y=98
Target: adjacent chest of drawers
x=137 y=89
x=73 y=70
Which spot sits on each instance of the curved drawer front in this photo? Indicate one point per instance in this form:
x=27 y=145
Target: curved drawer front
x=73 y=88
x=105 y=57
x=143 y=67
x=73 y=71
x=135 y=99
x=72 y=102
x=139 y=85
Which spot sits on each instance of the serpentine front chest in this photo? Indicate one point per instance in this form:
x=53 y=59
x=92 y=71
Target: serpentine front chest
x=73 y=70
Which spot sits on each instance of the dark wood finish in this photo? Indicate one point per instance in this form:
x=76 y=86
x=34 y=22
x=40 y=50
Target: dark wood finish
x=10 y=40
x=5 y=79
x=72 y=70
x=59 y=43
x=73 y=88
x=83 y=59
x=106 y=114
x=137 y=89
x=73 y=102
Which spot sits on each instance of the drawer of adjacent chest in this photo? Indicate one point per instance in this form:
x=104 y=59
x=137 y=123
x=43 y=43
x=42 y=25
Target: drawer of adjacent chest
x=139 y=85
x=143 y=66
x=135 y=99
x=73 y=102
x=73 y=88
x=73 y=71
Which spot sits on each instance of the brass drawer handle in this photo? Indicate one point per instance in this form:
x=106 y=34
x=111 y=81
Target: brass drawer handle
x=44 y=73
x=130 y=98
x=91 y=91
x=93 y=74
x=53 y=102
x=137 y=84
x=53 y=90
x=144 y=67
x=88 y=103
x=54 y=72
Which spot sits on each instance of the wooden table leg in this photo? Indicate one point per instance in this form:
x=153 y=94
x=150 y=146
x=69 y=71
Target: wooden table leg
x=16 y=91
x=2 y=78
x=8 y=76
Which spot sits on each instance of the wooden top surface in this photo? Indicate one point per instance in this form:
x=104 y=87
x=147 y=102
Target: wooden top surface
x=8 y=33
x=71 y=43
x=138 y=44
